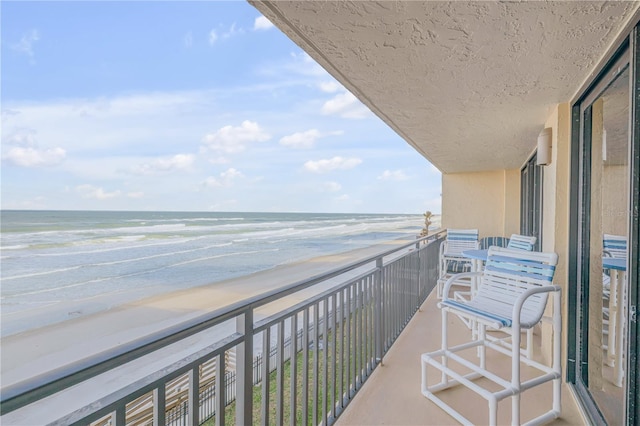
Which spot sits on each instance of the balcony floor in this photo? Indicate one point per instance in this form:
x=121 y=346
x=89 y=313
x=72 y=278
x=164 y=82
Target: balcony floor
x=392 y=394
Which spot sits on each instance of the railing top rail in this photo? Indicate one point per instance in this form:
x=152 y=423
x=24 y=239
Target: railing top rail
x=33 y=389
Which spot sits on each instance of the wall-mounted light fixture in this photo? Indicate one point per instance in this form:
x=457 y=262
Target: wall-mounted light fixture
x=544 y=147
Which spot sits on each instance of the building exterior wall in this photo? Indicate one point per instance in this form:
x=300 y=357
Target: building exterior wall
x=512 y=202
x=488 y=201
x=555 y=211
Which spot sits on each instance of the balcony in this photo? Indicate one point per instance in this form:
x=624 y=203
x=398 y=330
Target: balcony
x=338 y=326
x=394 y=388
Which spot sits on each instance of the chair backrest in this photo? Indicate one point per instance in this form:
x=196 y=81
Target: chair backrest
x=487 y=242
x=459 y=240
x=521 y=242
x=615 y=246
x=509 y=273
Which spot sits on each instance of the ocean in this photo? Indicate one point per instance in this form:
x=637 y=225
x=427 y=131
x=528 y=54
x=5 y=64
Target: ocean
x=99 y=259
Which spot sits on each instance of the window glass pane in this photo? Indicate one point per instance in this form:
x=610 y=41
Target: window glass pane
x=607 y=298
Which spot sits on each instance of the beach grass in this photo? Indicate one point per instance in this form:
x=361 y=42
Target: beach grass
x=318 y=380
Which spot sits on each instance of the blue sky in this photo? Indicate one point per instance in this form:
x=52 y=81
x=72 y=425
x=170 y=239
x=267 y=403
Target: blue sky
x=187 y=106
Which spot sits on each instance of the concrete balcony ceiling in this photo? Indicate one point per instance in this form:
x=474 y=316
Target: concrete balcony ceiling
x=467 y=84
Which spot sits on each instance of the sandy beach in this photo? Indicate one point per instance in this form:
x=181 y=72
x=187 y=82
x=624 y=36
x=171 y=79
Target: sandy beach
x=28 y=354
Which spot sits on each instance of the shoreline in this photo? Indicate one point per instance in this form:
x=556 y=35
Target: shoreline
x=49 y=313
x=30 y=353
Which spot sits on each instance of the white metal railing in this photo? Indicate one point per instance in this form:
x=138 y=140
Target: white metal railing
x=341 y=335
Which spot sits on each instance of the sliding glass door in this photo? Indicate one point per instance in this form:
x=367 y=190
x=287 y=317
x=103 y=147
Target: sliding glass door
x=603 y=303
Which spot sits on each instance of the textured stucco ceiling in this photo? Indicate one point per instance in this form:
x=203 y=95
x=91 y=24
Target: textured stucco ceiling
x=468 y=84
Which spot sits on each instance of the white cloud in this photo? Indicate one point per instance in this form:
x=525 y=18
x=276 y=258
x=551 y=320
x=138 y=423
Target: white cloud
x=331 y=186
x=225 y=179
x=304 y=64
x=34 y=157
x=262 y=23
x=330 y=86
x=90 y=191
x=232 y=31
x=301 y=139
x=335 y=163
x=222 y=34
x=22 y=137
x=25 y=45
x=343 y=197
x=179 y=162
x=213 y=37
x=346 y=105
x=231 y=174
x=138 y=194
x=396 y=175
x=188 y=39
x=232 y=140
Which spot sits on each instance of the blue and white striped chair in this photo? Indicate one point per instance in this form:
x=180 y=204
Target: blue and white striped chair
x=512 y=297
x=487 y=242
x=615 y=246
x=451 y=259
x=521 y=242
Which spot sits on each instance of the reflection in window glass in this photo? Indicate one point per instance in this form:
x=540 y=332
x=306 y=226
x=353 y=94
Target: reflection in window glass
x=608 y=248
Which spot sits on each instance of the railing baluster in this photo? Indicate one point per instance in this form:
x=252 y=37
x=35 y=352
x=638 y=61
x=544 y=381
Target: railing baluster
x=293 y=364
x=348 y=342
x=343 y=343
x=305 y=367
x=159 y=405
x=335 y=363
x=325 y=358
x=356 y=314
x=244 y=360
x=280 y=375
x=220 y=388
x=369 y=341
x=365 y=320
x=316 y=362
x=266 y=370
x=119 y=416
x=194 y=396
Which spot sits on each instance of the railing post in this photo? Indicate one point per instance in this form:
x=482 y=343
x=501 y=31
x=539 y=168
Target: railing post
x=244 y=363
x=378 y=321
x=418 y=286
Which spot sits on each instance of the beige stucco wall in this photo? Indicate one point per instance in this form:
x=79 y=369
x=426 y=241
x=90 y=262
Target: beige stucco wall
x=488 y=201
x=555 y=212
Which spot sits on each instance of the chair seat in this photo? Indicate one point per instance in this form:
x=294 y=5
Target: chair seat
x=499 y=321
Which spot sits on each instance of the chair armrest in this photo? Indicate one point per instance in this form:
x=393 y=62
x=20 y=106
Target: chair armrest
x=517 y=306
x=450 y=281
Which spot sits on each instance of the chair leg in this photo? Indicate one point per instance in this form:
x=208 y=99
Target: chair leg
x=482 y=349
x=445 y=345
x=493 y=412
x=557 y=339
x=515 y=410
x=515 y=375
